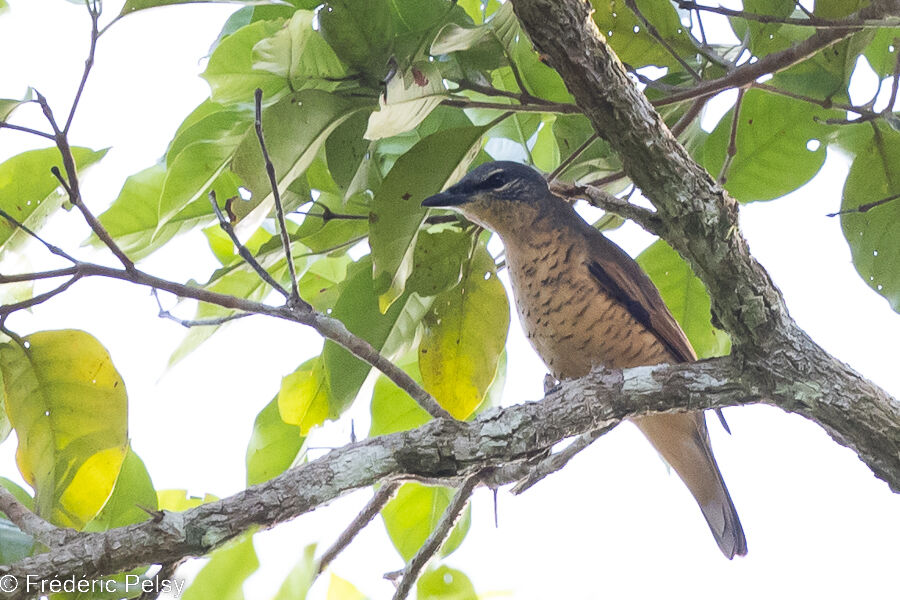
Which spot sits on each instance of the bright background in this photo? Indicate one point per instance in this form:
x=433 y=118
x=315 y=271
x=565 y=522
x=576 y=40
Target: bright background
x=614 y=523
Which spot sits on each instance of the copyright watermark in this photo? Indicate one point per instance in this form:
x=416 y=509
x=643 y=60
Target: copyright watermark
x=126 y=585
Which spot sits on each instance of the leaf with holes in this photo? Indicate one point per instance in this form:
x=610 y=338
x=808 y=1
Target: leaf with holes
x=465 y=333
x=779 y=146
x=874 y=182
x=69 y=408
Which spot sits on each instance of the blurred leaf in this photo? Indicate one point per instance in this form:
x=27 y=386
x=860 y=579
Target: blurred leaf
x=299 y=54
x=319 y=285
x=295 y=129
x=360 y=32
x=19 y=492
x=772 y=154
x=357 y=308
x=14 y=545
x=415 y=511
x=133 y=219
x=465 y=333
x=30 y=193
x=630 y=39
x=763 y=38
x=179 y=501
x=304 y=399
x=223 y=576
x=135 y=5
x=68 y=406
x=321 y=235
x=872 y=234
x=397 y=213
x=296 y=585
x=346 y=148
x=230 y=71
x=132 y=496
x=438 y=261
x=686 y=297
x=444 y=583
x=7 y=107
x=341 y=589
x=545 y=152
x=393 y=409
x=197 y=158
x=273 y=445
x=410 y=95
x=882 y=51
x=219 y=124
x=571 y=132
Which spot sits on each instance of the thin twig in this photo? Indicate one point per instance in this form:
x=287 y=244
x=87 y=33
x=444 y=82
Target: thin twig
x=160 y=579
x=244 y=253
x=554 y=107
x=557 y=461
x=5 y=125
x=809 y=21
x=94 y=9
x=53 y=249
x=863 y=208
x=71 y=185
x=294 y=298
x=731 y=152
x=572 y=157
x=647 y=219
x=433 y=544
x=372 y=508
x=651 y=29
x=8 y=309
x=188 y=323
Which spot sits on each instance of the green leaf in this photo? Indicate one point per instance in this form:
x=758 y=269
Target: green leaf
x=218 y=125
x=69 y=408
x=194 y=167
x=273 y=445
x=545 y=152
x=414 y=512
x=295 y=129
x=763 y=38
x=341 y=589
x=14 y=544
x=357 y=308
x=230 y=71
x=630 y=39
x=19 y=492
x=397 y=213
x=465 y=333
x=132 y=496
x=444 y=583
x=305 y=398
x=299 y=54
x=346 y=149
x=772 y=154
x=686 y=297
x=30 y=193
x=133 y=219
x=223 y=576
x=8 y=106
x=882 y=51
x=410 y=96
x=393 y=409
x=135 y=5
x=179 y=501
x=872 y=234
x=360 y=32
x=296 y=585
x=438 y=261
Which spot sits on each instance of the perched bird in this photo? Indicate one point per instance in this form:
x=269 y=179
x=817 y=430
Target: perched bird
x=584 y=302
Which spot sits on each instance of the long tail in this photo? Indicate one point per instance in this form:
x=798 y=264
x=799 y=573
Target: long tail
x=682 y=440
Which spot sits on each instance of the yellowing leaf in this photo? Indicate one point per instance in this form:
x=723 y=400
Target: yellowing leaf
x=178 y=500
x=465 y=333
x=303 y=398
x=69 y=408
x=341 y=589
x=414 y=512
x=409 y=98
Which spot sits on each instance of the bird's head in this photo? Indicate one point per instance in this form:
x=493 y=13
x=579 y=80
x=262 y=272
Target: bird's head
x=502 y=196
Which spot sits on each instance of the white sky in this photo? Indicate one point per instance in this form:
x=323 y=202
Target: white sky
x=612 y=524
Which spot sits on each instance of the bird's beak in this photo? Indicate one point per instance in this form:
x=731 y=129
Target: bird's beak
x=447 y=198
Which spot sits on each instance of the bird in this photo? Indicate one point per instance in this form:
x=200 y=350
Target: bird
x=584 y=302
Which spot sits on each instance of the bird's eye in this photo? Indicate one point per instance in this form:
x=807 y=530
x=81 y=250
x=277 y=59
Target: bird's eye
x=497 y=180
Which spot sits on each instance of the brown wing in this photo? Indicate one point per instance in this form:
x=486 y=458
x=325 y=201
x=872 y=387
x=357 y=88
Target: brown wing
x=624 y=280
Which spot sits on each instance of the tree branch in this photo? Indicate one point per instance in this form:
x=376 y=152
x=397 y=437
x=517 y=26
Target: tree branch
x=498 y=440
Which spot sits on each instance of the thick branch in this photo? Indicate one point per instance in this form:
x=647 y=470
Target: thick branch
x=451 y=451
